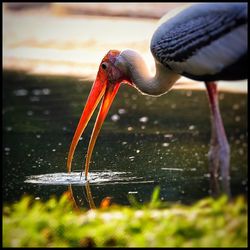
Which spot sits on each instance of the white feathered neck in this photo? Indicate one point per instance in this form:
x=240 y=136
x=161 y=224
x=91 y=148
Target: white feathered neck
x=136 y=69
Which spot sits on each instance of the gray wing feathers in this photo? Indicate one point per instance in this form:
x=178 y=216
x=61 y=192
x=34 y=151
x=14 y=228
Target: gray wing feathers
x=203 y=39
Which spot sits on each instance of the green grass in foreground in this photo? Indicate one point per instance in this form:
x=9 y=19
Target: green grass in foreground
x=208 y=223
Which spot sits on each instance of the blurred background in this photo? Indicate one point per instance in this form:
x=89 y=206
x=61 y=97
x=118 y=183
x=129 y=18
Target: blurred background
x=71 y=38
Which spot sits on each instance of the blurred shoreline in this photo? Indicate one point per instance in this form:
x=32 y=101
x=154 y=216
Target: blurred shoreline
x=128 y=10
x=71 y=38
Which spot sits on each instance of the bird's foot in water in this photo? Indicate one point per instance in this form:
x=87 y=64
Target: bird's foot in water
x=219 y=158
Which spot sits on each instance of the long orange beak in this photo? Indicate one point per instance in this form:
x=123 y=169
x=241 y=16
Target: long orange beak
x=100 y=88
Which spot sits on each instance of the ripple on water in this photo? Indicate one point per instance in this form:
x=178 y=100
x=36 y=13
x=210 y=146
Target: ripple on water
x=102 y=177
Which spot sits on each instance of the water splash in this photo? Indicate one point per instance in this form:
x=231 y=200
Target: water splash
x=99 y=177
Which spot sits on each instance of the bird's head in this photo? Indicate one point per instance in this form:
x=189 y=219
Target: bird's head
x=112 y=69
x=111 y=74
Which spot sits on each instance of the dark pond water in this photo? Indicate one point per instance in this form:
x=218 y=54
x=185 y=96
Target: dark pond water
x=145 y=142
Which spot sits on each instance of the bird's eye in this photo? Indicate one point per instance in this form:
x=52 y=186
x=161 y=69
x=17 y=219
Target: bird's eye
x=104 y=65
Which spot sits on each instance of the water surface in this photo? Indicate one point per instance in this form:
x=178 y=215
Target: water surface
x=145 y=142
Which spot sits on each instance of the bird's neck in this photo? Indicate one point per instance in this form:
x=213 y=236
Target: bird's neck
x=156 y=84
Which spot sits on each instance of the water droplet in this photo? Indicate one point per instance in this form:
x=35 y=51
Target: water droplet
x=207 y=175
x=137 y=151
x=38 y=136
x=37 y=198
x=7 y=149
x=132 y=158
x=36 y=92
x=122 y=111
x=173 y=169
x=132 y=192
x=20 y=92
x=54 y=150
x=148 y=103
x=244 y=182
x=236 y=106
x=143 y=119
x=237 y=118
x=46 y=91
x=165 y=144
x=221 y=96
x=241 y=151
x=115 y=117
x=8 y=128
x=173 y=106
x=34 y=99
x=124 y=143
x=59 y=143
x=130 y=128
x=143 y=127
x=242 y=136
x=168 y=135
x=30 y=113
x=191 y=127
x=134 y=97
x=237 y=141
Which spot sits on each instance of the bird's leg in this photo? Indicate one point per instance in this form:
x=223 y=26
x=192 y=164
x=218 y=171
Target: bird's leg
x=214 y=186
x=219 y=153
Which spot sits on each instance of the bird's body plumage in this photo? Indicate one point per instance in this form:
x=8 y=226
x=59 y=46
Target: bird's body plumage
x=204 y=42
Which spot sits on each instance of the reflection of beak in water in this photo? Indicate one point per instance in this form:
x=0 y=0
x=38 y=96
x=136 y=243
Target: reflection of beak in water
x=89 y=196
x=106 y=202
x=70 y=196
x=217 y=188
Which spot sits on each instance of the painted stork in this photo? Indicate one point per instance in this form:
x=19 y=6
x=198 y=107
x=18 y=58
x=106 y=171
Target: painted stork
x=204 y=42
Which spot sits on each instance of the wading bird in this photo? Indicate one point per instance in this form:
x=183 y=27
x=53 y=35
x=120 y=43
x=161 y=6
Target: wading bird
x=204 y=42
